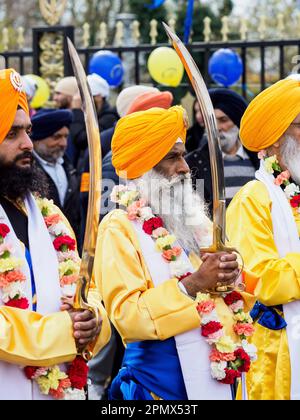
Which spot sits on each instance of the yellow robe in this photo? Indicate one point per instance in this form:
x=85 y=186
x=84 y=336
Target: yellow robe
x=137 y=309
x=28 y=338
x=250 y=230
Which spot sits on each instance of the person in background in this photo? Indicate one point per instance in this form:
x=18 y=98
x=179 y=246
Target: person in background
x=50 y=131
x=239 y=163
x=195 y=133
x=30 y=90
x=64 y=92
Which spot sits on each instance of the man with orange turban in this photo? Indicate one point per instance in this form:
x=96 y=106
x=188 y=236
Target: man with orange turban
x=149 y=271
x=38 y=265
x=264 y=224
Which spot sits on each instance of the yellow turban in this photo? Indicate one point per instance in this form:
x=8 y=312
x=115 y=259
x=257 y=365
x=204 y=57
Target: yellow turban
x=142 y=139
x=12 y=96
x=270 y=114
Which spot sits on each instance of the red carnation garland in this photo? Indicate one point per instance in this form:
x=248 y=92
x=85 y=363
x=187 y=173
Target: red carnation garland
x=64 y=243
x=21 y=303
x=150 y=225
x=78 y=373
x=4 y=230
x=211 y=328
x=232 y=298
x=231 y=376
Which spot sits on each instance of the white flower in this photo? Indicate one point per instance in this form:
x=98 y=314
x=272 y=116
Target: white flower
x=146 y=213
x=114 y=197
x=14 y=289
x=69 y=289
x=250 y=349
x=212 y=316
x=218 y=370
x=74 y=394
x=291 y=190
x=59 y=229
x=179 y=268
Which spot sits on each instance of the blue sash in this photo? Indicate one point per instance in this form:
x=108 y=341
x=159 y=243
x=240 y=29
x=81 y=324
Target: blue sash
x=149 y=366
x=33 y=288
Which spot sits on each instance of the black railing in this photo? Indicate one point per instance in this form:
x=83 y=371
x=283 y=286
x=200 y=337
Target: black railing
x=201 y=52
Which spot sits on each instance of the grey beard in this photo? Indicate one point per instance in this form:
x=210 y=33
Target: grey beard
x=182 y=210
x=229 y=139
x=290 y=153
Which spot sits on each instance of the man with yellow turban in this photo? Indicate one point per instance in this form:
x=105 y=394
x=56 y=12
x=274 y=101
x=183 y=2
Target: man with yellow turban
x=263 y=222
x=39 y=264
x=149 y=271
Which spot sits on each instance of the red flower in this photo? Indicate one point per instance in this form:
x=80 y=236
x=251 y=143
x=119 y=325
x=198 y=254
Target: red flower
x=30 y=371
x=64 y=243
x=232 y=298
x=4 y=230
x=57 y=394
x=21 y=303
x=150 y=225
x=244 y=358
x=78 y=372
x=210 y=328
x=295 y=201
x=231 y=375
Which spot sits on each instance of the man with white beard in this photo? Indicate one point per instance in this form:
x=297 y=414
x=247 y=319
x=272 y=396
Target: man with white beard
x=152 y=279
x=239 y=163
x=263 y=221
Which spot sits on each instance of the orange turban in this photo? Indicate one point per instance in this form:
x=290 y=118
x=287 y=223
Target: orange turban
x=12 y=95
x=151 y=100
x=141 y=140
x=270 y=114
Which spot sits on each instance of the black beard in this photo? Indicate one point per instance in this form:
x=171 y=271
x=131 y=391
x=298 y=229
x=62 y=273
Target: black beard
x=17 y=182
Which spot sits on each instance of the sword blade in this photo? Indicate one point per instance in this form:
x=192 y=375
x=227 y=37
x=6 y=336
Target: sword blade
x=92 y=223
x=215 y=152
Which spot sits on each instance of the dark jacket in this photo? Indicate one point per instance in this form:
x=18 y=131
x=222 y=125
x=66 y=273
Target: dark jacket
x=71 y=205
x=199 y=163
x=106 y=119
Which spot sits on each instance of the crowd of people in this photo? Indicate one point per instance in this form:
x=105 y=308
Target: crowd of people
x=157 y=331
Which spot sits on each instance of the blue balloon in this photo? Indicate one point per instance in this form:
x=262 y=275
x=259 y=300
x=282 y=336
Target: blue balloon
x=225 y=67
x=109 y=66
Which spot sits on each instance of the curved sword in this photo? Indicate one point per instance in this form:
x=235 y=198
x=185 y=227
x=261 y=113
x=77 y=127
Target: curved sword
x=215 y=152
x=93 y=136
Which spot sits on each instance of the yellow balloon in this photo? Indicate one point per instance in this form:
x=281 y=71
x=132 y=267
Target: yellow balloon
x=165 y=66
x=42 y=94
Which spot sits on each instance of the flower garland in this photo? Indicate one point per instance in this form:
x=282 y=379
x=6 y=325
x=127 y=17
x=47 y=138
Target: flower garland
x=291 y=190
x=228 y=359
x=51 y=380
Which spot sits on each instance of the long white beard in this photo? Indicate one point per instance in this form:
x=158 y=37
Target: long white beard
x=290 y=153
x=229 y=139
x=182 y=210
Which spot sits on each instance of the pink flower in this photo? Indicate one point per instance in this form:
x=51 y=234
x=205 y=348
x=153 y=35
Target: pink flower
x=172 y=254
x=40 y=372
x=68 y=255
x=284 y=176
x=236 y=306
x=134 y=208
x=65 y=280
x=244 y=329
x=159 y=232
x=6 y=247
x=52 y=220
x=212 y=338
x=217 y=356
x=261 y=154
x=206 y=307
x=11 y=277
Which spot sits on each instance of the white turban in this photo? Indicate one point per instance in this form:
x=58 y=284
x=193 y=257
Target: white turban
x=128 y=95
x=29 y=86
x=98 y=85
